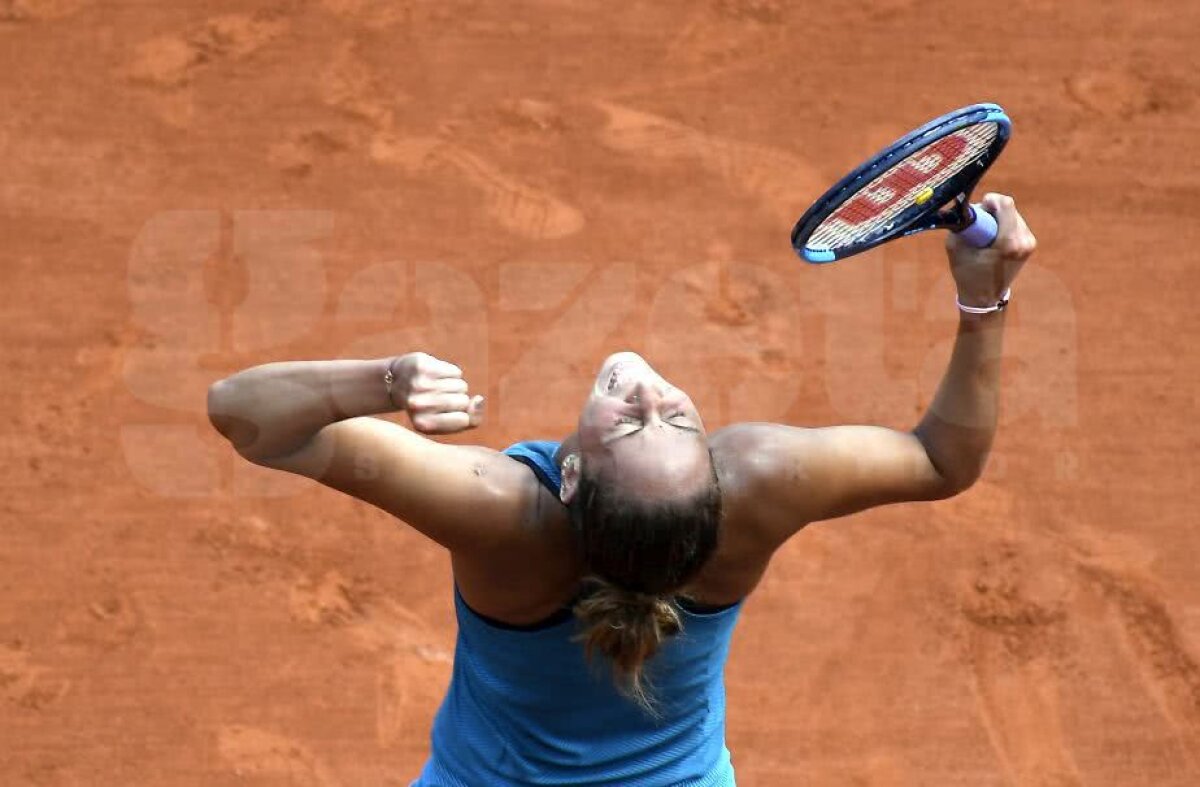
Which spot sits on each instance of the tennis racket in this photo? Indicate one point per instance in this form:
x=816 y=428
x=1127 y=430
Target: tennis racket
x=922 y=181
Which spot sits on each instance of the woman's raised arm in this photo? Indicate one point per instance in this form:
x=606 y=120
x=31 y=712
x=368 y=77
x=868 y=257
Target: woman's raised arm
x=306 y=418
x=271 y=410
x=805 y=475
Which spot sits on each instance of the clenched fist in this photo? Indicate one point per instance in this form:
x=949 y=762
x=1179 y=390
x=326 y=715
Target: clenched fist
x=982 y=275
x=434 y=394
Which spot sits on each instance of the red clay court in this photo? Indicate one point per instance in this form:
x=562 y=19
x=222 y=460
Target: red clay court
x=192 y=188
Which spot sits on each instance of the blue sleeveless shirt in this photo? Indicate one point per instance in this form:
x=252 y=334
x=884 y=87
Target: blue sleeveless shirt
x=525 y=707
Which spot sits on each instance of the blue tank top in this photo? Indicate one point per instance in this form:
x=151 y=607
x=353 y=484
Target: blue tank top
x=525 y=707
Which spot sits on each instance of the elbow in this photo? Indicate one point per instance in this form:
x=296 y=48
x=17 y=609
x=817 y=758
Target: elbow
x=219 y=405
x=952 y=488
x=227 y=416
x=953 y=467
x=953 y=475
x=958 y=481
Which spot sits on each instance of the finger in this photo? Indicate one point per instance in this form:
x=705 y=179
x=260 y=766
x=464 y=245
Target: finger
x=441 y=423
x=1003 y=207
x=1015 y=238
x=475 y=410
x=422 y=385
x=1023 y=244
x=436 y=368
x=1012 y=229
x=435 y=402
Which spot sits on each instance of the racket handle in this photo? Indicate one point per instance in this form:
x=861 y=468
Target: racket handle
x=982 y=230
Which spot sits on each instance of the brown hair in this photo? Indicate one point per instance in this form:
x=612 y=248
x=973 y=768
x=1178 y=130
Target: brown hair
x=639 y=553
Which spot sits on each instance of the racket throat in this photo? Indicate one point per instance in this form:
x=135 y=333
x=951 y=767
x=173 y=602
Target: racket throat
x=956 y=216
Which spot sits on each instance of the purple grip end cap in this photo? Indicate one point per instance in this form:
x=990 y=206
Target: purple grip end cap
x=982 y=230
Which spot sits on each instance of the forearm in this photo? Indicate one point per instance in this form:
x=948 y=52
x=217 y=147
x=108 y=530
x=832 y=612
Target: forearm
x=958 y=428
x=272 y=410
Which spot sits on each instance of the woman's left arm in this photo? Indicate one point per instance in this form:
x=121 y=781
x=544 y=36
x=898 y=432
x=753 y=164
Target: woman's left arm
x=796 y=475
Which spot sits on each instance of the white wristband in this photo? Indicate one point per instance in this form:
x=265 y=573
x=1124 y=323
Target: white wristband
x=1000 y=304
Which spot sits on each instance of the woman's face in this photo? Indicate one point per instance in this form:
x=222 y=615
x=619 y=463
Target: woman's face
x=639 y=431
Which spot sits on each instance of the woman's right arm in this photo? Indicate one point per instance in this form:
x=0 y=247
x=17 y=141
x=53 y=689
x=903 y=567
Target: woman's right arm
x=272 y=410
x=304 y=418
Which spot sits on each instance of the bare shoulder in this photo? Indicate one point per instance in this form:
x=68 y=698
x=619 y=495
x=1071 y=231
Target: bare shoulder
x=466 y=498
x=537 y=517
x=498 y=582
x=747 y=463
x=747 y=455
x=765 y=473
x=791 y=476
x=748 y=535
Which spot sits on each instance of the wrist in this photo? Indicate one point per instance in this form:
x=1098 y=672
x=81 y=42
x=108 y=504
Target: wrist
x=983 y=304
x=391 y=381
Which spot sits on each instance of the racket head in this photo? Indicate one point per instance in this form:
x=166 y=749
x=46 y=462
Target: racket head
x=902 y=188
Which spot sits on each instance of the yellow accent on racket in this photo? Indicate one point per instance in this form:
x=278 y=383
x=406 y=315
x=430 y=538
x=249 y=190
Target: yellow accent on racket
x=924 y=196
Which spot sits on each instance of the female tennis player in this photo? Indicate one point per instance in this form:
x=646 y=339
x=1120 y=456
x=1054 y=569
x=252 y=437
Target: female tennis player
x=598 y=579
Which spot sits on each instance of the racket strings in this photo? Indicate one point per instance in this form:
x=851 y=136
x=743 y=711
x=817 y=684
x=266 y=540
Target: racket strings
x=874 y=207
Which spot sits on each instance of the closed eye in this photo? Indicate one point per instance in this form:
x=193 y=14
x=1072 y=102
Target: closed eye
x=675 y=421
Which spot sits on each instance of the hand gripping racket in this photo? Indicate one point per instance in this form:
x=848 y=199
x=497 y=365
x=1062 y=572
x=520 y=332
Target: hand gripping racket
x=920 y=182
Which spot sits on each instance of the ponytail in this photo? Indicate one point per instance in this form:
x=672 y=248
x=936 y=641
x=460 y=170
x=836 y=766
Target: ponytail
x=628 y=628
x=640 y=554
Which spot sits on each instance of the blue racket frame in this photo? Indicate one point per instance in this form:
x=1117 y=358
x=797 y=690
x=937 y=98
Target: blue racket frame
x=916 y=218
